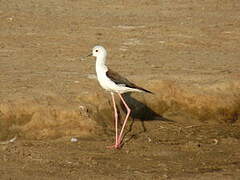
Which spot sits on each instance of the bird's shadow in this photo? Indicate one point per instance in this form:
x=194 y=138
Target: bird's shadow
x=140 y=111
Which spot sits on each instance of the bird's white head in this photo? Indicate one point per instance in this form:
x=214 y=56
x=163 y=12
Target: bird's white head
x=99 y=51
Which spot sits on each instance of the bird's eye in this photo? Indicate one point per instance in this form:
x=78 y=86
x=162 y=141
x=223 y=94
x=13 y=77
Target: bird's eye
x=96 y=51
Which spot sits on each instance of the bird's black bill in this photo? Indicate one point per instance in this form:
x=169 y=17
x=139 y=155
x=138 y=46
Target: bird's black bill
x=89 y=55
x=83 y=58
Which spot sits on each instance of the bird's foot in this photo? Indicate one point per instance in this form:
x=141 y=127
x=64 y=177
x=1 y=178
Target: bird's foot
x=115 y=146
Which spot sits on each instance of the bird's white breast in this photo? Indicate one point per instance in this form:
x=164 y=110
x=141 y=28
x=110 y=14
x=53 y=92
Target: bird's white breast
x=103 y=80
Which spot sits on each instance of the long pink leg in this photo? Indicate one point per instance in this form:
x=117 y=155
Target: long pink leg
x=125 y=121
x=116 y=119
x=116 y=123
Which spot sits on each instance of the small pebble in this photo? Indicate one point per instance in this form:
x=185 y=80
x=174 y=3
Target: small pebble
x=73 y=139
x=149 y=139
x=82 y=108
x=10 y=19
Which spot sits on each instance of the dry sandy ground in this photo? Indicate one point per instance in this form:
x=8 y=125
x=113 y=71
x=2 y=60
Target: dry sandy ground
x=187 y=52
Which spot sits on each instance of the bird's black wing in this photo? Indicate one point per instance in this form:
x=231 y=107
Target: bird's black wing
x=118 y=79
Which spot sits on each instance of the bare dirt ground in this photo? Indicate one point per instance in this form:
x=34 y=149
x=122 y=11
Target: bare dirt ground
x=187 y=52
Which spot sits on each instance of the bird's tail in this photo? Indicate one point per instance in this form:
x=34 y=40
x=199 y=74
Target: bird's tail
x=145 y=90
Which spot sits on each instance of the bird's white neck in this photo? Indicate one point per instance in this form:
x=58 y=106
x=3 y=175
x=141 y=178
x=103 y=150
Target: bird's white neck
x=100 y=64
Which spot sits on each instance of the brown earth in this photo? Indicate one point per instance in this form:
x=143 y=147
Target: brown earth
x=187 y=52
